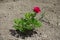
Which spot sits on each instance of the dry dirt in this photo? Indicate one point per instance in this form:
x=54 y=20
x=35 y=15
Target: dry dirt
x=10 y=9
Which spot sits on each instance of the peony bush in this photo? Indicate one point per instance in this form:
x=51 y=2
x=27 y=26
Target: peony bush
x=29 y=22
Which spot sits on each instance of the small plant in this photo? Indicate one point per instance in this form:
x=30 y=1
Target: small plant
x=29 y=22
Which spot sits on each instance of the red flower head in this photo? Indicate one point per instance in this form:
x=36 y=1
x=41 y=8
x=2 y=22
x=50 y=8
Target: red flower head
x=37 y=9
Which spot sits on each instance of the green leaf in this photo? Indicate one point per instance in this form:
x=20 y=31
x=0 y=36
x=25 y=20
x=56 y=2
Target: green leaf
x=36 y=23
x=16 y=27
x=27 y=15
x=28 y=27
x=39 y=24
x=17 y=21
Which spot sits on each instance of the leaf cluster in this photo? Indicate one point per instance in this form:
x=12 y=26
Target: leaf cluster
x=29 y=22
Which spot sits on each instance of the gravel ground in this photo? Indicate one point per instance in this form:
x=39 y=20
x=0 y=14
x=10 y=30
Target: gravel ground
x=10 y=9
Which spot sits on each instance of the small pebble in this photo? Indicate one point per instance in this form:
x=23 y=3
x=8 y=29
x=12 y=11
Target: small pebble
x=54 y=4
x=0 y=33
x=52 y=10
x=59 y=16
x=40 y=33
x=45 y=36
x=16 y=39
x=10 y=39
x=5 y=16
x=59 y=24
x=14 y=0
x=9 y=8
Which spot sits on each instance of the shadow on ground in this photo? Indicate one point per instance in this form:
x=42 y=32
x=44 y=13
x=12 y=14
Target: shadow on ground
x=18 y=34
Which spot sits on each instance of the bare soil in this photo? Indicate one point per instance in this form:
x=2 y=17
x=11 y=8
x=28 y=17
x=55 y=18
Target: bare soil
x=11 y=9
